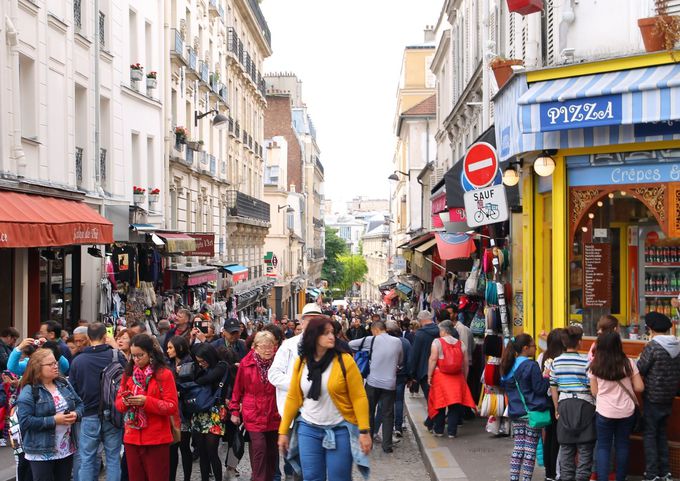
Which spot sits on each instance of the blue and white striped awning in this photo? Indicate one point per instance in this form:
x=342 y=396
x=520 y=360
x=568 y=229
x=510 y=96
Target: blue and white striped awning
x=615 y=98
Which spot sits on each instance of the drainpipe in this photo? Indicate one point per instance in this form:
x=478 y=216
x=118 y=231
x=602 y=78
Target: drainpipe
x=568 y=18
x=167 y=124
x=97 y=103
x=485 y=66
x=16 y=150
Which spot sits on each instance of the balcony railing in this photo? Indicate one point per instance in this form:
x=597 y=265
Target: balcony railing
x=256 y=149
x=178 y=48
x=264 y=28
x=102 y=30
x=243 y=205
x=318 y=164
x=231 y=125
x=232 y=41
x=213 y=165
x=79 y=166
x=192 y=59
x=102 y=166
x=203 y=72
x=77 y=15
x=189 y=159
x=262 y=87
x=223 y=93
x=237 y=130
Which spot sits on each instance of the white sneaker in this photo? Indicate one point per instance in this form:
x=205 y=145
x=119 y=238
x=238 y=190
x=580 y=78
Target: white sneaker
x=3 y=443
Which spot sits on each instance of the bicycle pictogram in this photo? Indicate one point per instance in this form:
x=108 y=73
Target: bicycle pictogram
x=486 y=211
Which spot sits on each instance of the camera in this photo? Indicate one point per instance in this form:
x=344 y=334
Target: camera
x=38 y=342
x=202 y=326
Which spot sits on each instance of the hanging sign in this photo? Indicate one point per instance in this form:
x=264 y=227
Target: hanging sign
x=486 y=206
x=597 y=290
x=480 y=165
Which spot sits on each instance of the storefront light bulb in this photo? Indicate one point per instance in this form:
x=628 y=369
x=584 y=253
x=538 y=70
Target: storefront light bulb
x=600 y=203
x=623 y=193
x=611 y=195
x=584 y=229
x=544 y=165
x=591 y=215
x=510 y=177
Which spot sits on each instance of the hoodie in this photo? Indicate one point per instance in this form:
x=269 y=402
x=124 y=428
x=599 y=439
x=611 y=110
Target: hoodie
x=532 y=383
x=659 y=365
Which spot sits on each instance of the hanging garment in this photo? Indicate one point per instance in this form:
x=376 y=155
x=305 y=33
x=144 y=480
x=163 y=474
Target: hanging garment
x=104 y=297
x=438 y=289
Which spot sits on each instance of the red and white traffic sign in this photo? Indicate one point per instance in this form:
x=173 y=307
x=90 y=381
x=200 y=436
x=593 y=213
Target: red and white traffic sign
x=480 y=165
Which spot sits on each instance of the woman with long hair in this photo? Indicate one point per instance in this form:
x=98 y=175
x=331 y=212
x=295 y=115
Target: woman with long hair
x=606 y=323
x=523 y=383
x=327 y=390
x=614 y=380
x=253 y=401
x=122 y=343
x=48 y=406
x=545 y=360
x=148 y=399
x=179 y=355
x=208 y=426
x=447 y=373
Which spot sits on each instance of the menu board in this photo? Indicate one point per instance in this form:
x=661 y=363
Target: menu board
x=597 y=285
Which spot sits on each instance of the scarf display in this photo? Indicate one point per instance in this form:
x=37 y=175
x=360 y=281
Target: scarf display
x=316 y=369
x=263 y=366
x=135 y=417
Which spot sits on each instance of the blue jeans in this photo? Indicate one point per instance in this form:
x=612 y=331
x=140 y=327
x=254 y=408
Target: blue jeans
x=399 y=405
x=319 y=463
x=92 y=432
x=617 y=431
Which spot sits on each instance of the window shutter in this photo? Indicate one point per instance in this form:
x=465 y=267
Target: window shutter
x=511 y=35
x=550 y=36
x=673 y=7
x=525 y=37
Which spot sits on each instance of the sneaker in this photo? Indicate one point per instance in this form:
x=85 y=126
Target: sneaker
x=396 y=440
x=388 y=450
x=668 y=477
x=452 y=436
x=3 y=442
x=438 y=435
x=398 y=434
x=377 y=439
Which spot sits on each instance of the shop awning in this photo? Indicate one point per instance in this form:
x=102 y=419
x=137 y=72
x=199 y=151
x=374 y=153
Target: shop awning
x=143 y=227
x=314 y=293
x=238 y=272
x=28 y=220
x=404 y=289
x=390 y=295
x=426 y=246
x=389 y=284
x=196 y=275
x=454 y=246
x=627 y=97
x=176 y=242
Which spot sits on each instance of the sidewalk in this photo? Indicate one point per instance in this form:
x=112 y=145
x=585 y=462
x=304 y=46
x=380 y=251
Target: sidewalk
x=7 y=466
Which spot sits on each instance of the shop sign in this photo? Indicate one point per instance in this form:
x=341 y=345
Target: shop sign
x=399 y=263
x=597 y=290
x=439 y=203
x=654 y=129
x=202 y=278
x=580 y=113
x=486 y=206
x=205 y=245
x=625 y=174
x=480 y=165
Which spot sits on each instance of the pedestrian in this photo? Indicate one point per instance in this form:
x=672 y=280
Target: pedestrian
x=80 y=339
x=281 y=371
x=551 y=446
x=123 y=342
x=327 y=391
x=447 y=377
x=208 y=426
x=420 y=354
x=51 y=331
x=606 y=323
x=659 y=366
x=525 y=386
x=574 y=404
x=181 y=364
x=17 y=365
x=614 y=379
x=356 y=330
x=385 y=357
x=163 y=329
x=85 y=376
x=48 y=407
x=182 y=328
x=148 y=399
x=231 y=338
x=402 y=377
x=8 y=339
x=253 y=402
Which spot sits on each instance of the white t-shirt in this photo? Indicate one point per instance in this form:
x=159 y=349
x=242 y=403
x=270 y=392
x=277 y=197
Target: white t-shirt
x=322 y=412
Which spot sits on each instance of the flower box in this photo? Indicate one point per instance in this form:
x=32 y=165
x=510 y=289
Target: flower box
x=138 y=198
x=154 y=198
x=502 y=69
x=660 y=32
x=525 y=7
x=136 y=74
x=151 y=83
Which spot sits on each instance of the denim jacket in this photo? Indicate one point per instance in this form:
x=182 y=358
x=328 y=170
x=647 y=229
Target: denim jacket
x=36 y=416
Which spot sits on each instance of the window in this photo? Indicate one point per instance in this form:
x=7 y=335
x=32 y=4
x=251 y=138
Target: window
x=29 y=128
x=134 y=40
x=271 y=175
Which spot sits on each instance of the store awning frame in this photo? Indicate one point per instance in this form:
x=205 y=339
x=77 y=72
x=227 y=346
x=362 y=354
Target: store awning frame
x=176 y=242
x=237 y=271
x=28 y=220
x=425 y=247
x=196 y=275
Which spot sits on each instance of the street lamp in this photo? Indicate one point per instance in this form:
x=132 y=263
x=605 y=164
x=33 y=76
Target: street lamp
x=544 y=165
x=394 y=175
x=219 y=121
x=289 y=209
x=512 y=173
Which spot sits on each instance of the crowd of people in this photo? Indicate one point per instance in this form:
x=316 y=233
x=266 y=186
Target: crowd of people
x=312 y=395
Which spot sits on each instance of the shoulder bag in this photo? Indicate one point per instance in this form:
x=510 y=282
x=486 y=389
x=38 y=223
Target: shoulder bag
x=638 y=426
x=535 y=419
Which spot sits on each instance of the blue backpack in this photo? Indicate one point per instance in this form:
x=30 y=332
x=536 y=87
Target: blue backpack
x=363 y=358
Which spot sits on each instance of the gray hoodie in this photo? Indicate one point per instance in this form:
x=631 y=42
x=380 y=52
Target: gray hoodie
x=659 y=365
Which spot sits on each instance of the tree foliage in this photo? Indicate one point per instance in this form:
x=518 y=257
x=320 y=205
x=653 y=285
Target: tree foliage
x=354 y=269
x=335 y=247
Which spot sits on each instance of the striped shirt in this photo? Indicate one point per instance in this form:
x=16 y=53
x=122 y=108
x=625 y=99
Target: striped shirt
x=569 y=373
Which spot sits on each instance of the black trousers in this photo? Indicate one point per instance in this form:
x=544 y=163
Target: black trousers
x=57 y=470
x=24 y=472
x=384 y=398
x=183 y=447
x=551 y=447
x=655 y=438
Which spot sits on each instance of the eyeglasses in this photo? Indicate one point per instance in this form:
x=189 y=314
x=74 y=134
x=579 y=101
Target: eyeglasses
x=51 y=364
x=138 y=356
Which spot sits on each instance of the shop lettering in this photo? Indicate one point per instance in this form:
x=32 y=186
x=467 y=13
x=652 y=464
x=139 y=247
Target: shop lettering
x=580 y=113
x=483 y=195
x=632 y=175
x=4 y=237
x=87 y=234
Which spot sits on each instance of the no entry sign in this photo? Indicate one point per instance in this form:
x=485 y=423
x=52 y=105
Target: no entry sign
x=480 y=165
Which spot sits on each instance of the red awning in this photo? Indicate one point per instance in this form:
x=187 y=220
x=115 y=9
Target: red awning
x=390 y=295
x=28 y=220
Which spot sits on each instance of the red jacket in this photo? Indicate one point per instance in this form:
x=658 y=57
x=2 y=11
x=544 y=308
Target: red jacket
x=161 y=403
x=254 y=400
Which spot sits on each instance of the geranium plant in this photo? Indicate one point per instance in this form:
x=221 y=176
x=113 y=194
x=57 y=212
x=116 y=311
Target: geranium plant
x=136 y=66
x=155 y=191
x=138 y=190
x=152 y=74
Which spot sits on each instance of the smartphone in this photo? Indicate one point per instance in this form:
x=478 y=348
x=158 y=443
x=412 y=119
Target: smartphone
x=201 y=326
x=67 y=412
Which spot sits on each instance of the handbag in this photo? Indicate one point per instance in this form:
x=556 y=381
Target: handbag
x=197 y=398
x=186 y=371
x=535 y=419
x=639 y=425
x=472 y=282
x=363 y=358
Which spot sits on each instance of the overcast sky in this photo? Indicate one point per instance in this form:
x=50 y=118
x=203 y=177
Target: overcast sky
x=348 y=55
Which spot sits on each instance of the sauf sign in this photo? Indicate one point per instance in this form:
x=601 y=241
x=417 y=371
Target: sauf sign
x=483 y=205
x=578 y=113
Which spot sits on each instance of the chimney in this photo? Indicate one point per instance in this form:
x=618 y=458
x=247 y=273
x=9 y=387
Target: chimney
x=429 y=33
x=292 y=188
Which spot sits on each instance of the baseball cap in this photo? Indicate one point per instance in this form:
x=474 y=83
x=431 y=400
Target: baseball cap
x=232 y=325
x=311 y=308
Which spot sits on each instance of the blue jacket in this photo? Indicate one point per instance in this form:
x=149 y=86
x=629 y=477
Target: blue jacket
x=420 y=353
x=402 y=372
x=86 y=372
x=36 y=411
x=534 y=386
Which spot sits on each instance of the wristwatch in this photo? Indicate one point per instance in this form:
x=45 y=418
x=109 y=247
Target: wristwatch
x=364 y=431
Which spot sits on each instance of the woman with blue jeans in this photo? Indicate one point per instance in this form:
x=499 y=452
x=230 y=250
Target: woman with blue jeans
x=48 y=407
x=327 y=390
x=613 y=381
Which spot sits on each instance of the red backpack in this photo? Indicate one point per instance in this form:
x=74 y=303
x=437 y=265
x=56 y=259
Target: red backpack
x=452 y=360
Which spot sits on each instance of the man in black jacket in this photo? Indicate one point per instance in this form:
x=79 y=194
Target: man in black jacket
x=8 y=339
x=85 y=376
x=420 y=353
x=659 y=365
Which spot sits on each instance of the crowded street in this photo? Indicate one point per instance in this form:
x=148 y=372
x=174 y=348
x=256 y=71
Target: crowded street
x=301 y=240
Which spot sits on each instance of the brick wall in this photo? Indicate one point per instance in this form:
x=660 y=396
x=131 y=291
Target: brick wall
x=278 y=121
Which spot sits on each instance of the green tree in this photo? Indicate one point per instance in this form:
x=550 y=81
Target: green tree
x=335 y=247
x=354 y=269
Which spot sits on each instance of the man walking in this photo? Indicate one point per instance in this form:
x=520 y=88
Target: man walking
x=420 y=354
x=381 y=384
x=85 y=377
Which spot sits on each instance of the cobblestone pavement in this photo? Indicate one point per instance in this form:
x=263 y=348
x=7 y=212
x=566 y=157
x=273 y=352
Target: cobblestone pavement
x=404 y=464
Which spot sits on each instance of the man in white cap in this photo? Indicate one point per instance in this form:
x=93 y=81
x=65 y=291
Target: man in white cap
x=281 y=371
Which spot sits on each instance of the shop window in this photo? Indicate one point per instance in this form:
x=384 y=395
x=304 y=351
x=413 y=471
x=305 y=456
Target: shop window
x=6 y=287
x=56 y=286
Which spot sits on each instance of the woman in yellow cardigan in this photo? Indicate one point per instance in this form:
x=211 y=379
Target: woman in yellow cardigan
x=332 y=430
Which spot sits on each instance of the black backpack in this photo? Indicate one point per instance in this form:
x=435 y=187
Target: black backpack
x=108 y=388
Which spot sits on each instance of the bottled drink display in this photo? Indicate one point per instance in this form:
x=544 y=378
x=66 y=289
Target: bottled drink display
x=662 y=254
